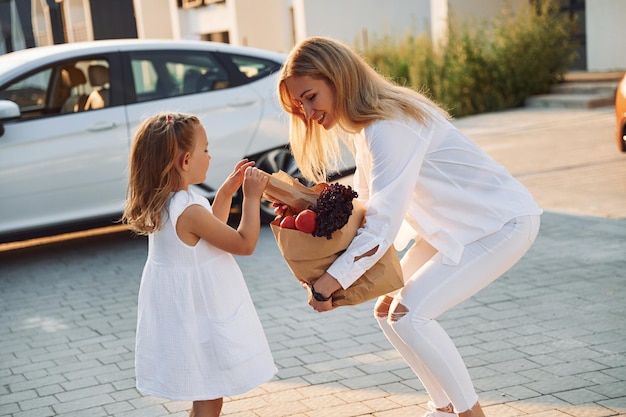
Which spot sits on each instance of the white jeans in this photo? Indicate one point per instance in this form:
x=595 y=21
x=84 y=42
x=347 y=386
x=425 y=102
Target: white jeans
x=431 y=288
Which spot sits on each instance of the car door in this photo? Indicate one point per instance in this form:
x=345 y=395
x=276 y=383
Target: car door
x=65 y=159
x=195 y=82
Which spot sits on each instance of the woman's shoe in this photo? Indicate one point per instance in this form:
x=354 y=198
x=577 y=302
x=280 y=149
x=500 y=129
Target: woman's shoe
x=437 y=413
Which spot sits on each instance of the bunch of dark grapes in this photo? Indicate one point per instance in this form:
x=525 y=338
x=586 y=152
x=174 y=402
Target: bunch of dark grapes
x=333 y=207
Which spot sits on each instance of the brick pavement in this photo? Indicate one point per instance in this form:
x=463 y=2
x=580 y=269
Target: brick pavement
x=548 y=339
x=567 y=159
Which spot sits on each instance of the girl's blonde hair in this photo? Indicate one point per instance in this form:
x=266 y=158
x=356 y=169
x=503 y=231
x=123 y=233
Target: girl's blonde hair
x=159 y=140
x=361 y=96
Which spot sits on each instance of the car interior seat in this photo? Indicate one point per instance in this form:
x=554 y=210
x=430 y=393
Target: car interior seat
x=220 y=84
x=204 y=83
x=74 y=79
x=196 y=82
x=99 y=80
x=190 y=81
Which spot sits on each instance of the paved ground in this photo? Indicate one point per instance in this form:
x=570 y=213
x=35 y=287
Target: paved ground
x=568 y=159
x=548 y=339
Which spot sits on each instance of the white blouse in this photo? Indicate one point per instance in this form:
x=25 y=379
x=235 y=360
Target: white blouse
x=426 y=181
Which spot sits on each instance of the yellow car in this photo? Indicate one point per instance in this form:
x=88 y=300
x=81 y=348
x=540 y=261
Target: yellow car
x=620 y=114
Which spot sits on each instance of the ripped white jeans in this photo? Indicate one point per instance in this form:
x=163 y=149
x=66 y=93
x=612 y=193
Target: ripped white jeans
x=431 y=288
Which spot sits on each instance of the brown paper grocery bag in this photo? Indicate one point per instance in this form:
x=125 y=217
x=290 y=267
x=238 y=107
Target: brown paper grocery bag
x=282 y=187
x=308 y=257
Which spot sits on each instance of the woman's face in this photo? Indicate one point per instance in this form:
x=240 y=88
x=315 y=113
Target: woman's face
x=314 y=97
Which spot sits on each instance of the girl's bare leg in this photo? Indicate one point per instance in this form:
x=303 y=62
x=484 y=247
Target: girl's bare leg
x=206 y=408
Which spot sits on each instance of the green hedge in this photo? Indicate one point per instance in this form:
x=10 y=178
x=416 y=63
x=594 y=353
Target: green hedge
x=484 y=67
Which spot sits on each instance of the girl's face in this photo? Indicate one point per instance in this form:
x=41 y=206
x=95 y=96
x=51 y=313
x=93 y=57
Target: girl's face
x=314 y=97
x=199 y=156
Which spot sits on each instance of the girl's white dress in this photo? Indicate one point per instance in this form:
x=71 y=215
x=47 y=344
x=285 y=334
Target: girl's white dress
x=198 y=334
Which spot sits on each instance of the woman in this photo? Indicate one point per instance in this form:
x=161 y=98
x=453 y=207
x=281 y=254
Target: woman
x=421 y=180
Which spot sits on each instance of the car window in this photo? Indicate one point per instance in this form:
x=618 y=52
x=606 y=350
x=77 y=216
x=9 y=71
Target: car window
x=252 y=68
x=63 y=87
x=157 y=75
x=98 y=85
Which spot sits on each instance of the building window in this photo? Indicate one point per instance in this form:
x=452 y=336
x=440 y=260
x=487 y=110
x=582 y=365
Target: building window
x=188 y=4
x=216 y=37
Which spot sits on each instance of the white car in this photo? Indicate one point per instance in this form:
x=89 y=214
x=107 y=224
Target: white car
x=68 y=114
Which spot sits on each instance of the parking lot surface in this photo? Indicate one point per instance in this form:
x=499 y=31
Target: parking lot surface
x=548 y=339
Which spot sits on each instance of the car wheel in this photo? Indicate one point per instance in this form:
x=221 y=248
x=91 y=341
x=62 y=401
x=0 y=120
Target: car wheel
x=272 y=161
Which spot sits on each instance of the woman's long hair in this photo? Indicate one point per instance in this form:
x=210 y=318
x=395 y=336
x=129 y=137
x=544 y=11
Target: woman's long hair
x=361 y=97
x=159 y=140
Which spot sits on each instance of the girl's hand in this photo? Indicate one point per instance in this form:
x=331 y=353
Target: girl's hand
x=236 y=178
x=254 y=183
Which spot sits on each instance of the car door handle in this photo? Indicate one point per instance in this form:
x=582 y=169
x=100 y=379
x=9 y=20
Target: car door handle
x=241 y=103
x=101 y=126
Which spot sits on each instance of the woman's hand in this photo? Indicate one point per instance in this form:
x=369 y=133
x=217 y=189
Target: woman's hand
x=320 y=306
x=325 y=285
x=280 y=208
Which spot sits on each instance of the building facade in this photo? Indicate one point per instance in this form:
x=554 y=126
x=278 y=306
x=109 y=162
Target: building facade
x=278 y=24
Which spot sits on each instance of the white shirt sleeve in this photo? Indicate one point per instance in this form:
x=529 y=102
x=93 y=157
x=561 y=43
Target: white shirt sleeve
x=389 y=161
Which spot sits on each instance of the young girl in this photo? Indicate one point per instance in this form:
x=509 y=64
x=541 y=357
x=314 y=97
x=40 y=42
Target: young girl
x=198 y=335
x=422 y=180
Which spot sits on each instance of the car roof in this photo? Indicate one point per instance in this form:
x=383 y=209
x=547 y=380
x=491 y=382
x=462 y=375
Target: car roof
x=42 y=54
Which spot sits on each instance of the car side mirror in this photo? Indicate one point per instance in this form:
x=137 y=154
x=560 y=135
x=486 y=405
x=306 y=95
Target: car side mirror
x=8 y=111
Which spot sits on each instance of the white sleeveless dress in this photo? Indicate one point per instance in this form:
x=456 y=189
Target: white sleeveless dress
x=198 y=334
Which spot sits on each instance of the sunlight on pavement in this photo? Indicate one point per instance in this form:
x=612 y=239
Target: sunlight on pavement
x=47 y=324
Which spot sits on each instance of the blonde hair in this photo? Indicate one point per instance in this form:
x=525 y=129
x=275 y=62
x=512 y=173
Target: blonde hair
x=361 y=96
x=159 y=140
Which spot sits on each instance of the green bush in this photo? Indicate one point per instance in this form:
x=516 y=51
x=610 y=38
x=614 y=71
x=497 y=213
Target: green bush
x=484 y=67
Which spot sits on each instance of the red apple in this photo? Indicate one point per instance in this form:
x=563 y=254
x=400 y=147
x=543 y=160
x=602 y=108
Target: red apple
x=306 y=221
x=288 y=222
